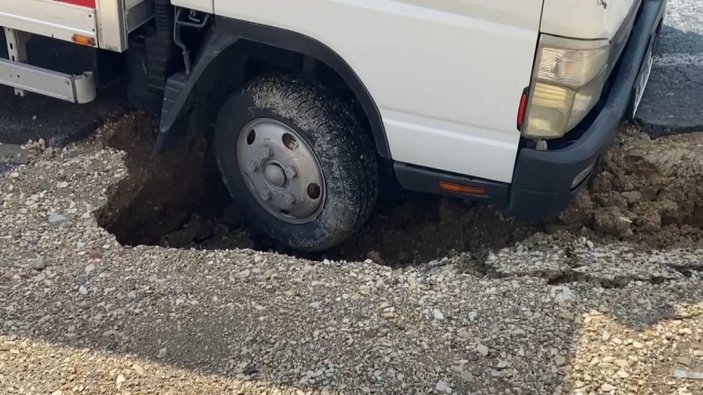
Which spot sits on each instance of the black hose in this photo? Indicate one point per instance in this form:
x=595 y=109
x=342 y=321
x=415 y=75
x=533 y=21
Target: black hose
x=163 y=16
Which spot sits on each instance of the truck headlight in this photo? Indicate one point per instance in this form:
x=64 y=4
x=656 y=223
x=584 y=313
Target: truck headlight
x=567 y=82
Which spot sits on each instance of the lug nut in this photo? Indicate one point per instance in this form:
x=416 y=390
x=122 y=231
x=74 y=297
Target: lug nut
x=291 y=172
x=265 y=195
x=289 y=199
x=252 y=166
x=266 y=152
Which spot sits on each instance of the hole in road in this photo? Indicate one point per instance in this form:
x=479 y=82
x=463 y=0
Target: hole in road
x=177 y=199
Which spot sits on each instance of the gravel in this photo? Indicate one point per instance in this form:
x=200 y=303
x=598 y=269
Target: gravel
x=552 y=312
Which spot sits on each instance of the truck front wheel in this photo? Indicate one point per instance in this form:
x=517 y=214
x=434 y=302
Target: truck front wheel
x=297 y=161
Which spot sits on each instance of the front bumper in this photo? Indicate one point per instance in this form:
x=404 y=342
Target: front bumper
x=543 y=180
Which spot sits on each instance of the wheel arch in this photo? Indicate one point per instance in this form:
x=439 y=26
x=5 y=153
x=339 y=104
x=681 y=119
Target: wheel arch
x=188 y=100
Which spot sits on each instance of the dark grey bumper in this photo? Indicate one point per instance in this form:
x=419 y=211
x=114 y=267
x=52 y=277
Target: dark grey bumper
x=543 y=181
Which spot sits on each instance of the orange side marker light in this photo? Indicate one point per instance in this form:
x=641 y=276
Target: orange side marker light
x=83 y=40
x=461 y=188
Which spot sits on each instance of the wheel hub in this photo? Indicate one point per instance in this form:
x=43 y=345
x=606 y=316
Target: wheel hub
x=280 y=170
x=274 y=175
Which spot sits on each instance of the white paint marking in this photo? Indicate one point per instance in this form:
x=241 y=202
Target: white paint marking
x=679 y=59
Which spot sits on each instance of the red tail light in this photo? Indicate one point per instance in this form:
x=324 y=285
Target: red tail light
x=522 y=109
x=83 y=3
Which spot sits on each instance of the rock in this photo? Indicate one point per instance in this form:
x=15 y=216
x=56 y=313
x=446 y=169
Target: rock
x=120 y=380
x=473 y=315
x=685 y=331
x=607 y=387
x=375 y=257
x=437 y=314
x=441 y=386
x=560 y=360
x=482 y=350
x=685 y=361
x=687 y=374
x=57 y=219
x=621 y=363
x=315 y=305
x=567 y=315
x=162 y=353
x=138 y=369
x=467 y=376
x=83 y=290
x=612 y=221
x=631 y=197
x=38 y=263
x=89 y=269
x=463 y=333
x=412 y=282
x=502 y=365
x=562 y=294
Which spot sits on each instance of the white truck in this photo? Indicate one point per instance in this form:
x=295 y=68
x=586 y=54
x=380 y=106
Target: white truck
x=509 y=102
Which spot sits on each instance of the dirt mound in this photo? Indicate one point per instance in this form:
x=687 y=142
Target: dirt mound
x=425 y=228
x=648 y=189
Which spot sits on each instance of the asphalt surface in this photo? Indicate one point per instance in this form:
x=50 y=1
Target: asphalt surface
x=57 y=122
x=673 y=101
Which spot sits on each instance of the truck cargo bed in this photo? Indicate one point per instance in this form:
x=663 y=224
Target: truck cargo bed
x=102 y=24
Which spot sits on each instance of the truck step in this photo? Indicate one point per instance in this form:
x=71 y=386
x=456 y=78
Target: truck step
x=71 y=88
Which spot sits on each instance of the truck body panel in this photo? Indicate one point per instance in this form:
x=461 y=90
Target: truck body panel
x=426 y=66
x=103 y=24
x=49 y=18
x=199 y=5
x=585 y=19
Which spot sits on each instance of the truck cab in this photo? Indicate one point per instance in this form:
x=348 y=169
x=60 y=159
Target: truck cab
x=511 y=103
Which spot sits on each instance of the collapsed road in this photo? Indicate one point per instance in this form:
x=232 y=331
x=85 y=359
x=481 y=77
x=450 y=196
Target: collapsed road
x=433 y=296
x=116 y=277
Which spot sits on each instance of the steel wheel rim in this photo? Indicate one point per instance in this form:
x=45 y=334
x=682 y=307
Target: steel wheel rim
x=281 y=171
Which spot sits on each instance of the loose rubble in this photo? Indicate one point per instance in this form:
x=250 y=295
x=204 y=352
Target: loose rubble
x=553 y=310
x=648 y=190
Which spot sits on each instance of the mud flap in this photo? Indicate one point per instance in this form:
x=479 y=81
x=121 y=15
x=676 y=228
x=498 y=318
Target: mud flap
x=642 y=80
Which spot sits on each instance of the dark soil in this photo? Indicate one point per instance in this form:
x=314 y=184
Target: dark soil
x=649 y=191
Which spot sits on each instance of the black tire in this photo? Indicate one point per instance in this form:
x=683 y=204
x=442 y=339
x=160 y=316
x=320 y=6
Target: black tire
x=343 y=149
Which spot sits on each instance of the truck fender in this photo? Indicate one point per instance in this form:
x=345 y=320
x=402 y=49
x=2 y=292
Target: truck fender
x=224 y=47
